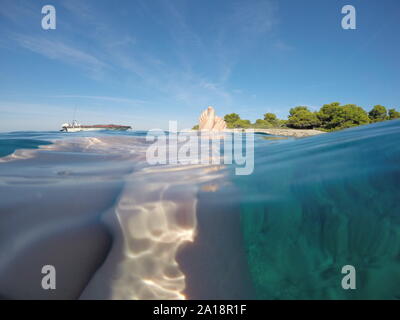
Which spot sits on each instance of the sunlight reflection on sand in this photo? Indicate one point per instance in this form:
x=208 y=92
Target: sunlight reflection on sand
x=156 y=217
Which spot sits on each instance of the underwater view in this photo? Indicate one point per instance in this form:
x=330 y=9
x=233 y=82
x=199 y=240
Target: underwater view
x=116 y=227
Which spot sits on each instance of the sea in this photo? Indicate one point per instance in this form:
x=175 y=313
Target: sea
x=317 y=218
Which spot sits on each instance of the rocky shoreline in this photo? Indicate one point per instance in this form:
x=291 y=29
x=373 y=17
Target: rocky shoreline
x=285 y=132
x=299 y=133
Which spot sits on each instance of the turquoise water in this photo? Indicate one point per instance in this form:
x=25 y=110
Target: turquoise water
x=310 y=207
x=315 y=205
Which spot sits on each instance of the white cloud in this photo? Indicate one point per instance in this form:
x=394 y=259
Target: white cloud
x=58 y=50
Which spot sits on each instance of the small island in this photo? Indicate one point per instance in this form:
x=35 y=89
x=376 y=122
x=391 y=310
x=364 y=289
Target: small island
x=303 y=122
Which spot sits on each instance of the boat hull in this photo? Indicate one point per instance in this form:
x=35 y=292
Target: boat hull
x=94 y=128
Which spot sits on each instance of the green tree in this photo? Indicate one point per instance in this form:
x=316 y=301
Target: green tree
x=327 y=113
x=242 y=124
x=282 y=123
x=393 y=114
x=352 y=116
x=231 y=118
x=262 y=124
x=270 y=117
x=378 y=113
x=302 y=118
x=293 y=111
x=196 y=127
x=334 y=116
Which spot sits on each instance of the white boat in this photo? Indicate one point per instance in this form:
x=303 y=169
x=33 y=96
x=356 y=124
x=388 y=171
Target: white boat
x=76 y=127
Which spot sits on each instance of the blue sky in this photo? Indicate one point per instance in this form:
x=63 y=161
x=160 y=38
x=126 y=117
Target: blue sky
x=144 y=62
